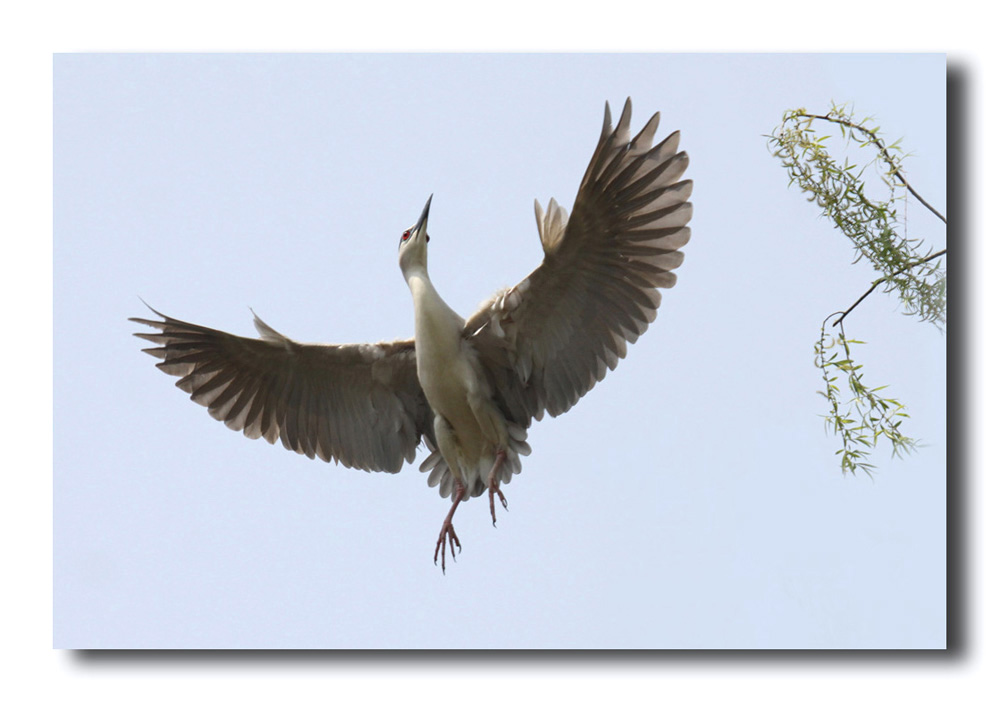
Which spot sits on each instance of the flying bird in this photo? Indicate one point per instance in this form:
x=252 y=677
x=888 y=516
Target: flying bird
x=468 y=388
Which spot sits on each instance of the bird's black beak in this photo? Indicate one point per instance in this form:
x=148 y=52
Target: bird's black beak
x=421 y=226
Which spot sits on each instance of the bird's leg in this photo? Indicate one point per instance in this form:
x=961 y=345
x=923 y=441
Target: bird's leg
x=494 y=484
x=447 y=534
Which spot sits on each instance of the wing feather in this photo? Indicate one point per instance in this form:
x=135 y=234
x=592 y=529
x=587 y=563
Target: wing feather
x=357 y=404
x=548 y=340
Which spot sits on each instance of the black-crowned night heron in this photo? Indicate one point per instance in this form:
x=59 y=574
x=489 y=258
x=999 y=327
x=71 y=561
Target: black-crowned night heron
x=469 y=388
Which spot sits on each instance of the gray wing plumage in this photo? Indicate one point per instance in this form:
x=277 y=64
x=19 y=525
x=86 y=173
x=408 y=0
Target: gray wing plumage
x=548 y=340
x=358 y=404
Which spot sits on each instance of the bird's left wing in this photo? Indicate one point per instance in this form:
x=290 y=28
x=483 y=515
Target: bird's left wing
x=545 y=342
x=359 y=404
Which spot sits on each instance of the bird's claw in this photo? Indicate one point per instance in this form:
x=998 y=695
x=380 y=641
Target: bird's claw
x=447 y=538
x=495 y=490
x=495 y=484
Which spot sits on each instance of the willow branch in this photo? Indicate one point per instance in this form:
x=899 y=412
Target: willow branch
x=881 y=280
x=885 y=155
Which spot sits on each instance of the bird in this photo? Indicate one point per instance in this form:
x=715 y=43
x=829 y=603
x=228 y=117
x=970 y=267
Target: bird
x=467 y=388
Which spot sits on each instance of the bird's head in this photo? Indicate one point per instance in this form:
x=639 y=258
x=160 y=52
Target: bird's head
x=413 y=244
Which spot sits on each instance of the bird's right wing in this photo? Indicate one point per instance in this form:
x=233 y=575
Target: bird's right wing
x=359 y=404
x=545 y=342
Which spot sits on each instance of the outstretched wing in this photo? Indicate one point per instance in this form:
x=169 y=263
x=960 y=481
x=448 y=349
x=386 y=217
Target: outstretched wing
x=359 y=404
x=549 y=339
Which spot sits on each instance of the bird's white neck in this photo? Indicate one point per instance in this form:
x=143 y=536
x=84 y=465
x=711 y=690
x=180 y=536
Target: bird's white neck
x=432 y=315
x=420 y=285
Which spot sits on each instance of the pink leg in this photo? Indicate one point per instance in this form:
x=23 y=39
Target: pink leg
x=494 y=484
x=447 y=534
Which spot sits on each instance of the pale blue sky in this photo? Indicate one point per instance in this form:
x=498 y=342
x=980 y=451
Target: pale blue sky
x=692 y=500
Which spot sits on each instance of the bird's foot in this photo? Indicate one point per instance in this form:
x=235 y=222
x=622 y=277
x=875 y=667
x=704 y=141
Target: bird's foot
x=495 y=490
x=447 y=538
x=494 y=484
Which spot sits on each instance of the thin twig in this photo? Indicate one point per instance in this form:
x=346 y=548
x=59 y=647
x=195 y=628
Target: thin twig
x=885 y=154
x=882 y=280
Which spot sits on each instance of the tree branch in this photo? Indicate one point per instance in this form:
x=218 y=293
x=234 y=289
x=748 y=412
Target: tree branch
x=885 y=154
x=881 y=280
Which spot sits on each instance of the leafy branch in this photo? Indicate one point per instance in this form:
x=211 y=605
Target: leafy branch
x=863 y=418
x=835 y=117
x=873 y=227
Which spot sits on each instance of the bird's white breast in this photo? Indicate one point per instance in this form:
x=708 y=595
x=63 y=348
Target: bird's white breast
x=445 y=368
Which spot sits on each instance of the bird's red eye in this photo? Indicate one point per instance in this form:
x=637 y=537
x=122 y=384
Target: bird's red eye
x=406 y=235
